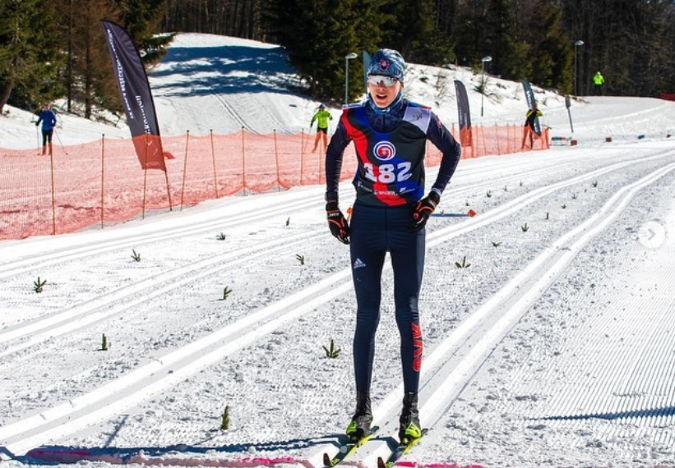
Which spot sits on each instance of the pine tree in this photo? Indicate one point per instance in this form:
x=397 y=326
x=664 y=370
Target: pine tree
x=413 y=30
x=142 y=20
x=29 y=55
x=318 y=34
x=90 y=77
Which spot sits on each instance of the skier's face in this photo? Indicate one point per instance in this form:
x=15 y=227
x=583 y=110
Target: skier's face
x=383 y=95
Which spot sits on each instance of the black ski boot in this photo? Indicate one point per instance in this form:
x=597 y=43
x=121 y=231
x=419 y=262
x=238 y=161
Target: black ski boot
x=362 y=419
x=409 y=428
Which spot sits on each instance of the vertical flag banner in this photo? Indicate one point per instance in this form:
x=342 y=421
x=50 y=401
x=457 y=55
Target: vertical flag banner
x=529 y=97
x=136 y=96
x=464 y=113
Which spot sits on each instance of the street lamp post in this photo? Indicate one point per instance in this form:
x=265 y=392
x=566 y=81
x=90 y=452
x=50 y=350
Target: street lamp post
x=576 y=45
x=482 y=85
x=348 y=57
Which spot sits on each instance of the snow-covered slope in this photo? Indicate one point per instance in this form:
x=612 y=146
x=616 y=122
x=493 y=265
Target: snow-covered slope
x=217 y=83
x=554 y=348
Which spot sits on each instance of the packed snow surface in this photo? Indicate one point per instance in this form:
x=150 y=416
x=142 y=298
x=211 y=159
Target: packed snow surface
x=548 y=318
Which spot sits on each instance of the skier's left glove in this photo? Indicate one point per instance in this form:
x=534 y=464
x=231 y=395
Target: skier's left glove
x=423 y=210
x=336 y=222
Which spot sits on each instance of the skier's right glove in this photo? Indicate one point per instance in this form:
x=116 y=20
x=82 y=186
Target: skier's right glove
x=336 y=222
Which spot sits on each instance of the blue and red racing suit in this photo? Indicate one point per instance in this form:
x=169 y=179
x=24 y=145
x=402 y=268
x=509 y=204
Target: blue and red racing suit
x=389 y=181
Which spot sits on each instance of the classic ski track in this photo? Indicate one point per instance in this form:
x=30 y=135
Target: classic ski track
x=36 y=261
x=120 y=300
x=230 y=110
x=129 y=390
x=457 y=358
x=93 y=311
x=12 y=332
x=95 y=248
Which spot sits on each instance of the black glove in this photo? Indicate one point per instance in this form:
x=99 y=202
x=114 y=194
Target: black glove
x=423 y=210
x=37 y=123
x=337 y=222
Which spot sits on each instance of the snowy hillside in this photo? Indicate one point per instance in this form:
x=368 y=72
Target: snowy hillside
x=553 y=348
x=217 y=83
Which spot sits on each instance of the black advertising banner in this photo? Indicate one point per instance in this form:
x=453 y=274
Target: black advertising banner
x=136 y=96
x=464 y=113
x=529 y=97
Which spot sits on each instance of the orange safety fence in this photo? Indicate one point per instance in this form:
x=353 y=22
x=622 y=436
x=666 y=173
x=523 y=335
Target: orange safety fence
x=102 y=182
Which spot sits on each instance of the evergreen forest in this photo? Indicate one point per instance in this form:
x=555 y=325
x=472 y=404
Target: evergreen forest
x=56 y=49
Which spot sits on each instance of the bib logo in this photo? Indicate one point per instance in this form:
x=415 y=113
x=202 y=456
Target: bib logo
x=384 y=151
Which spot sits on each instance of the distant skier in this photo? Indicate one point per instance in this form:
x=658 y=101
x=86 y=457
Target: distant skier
x=389 y=215
x=321 y=117
x=599 y=81
x=528 y=130
x=48 y=119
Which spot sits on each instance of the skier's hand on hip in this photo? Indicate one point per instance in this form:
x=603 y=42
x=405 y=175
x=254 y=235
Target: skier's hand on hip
x=336 y=222
x=423 y=210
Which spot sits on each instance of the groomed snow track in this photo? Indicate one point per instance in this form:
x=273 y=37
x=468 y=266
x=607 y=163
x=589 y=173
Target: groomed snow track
x=449 y=364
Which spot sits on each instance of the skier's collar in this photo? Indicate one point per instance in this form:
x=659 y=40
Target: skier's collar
x=387 y=110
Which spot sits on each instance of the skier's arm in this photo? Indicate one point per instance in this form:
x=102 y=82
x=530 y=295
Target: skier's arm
x=313 y=119
x=39 y=120
x=439 y=135
x=334 y=155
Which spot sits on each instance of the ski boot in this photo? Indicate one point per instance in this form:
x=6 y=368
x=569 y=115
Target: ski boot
x=409 y=427
x=362 y=419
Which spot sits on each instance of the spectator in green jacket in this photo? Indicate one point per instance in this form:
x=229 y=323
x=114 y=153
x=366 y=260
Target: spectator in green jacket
x=321 y=117
x=599 y=80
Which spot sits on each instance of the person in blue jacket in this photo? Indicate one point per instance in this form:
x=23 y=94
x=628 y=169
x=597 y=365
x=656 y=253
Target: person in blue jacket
x=389 y=215
x=48 y=119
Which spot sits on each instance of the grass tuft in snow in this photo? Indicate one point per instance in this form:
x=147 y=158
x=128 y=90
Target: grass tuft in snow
x=463 y=264
x=301 y=259
x=225 y=419
x=104 y=343
x=38 y=285
x=136 y=256
x=332 y=352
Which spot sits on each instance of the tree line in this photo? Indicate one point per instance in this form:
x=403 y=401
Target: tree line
x=52 y=49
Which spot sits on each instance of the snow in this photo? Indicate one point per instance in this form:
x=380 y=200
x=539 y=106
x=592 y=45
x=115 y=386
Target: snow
x=553 y=348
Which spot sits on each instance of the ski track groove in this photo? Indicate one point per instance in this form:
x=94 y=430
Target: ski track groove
x=28 y=263
x=104 y=307
x=442 y=235
x=483 y=342
x=154 y=283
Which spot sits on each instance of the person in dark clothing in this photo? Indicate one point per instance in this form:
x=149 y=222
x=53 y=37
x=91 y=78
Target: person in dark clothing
x=48 y=119
x=389 y=215
x=528 y=130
